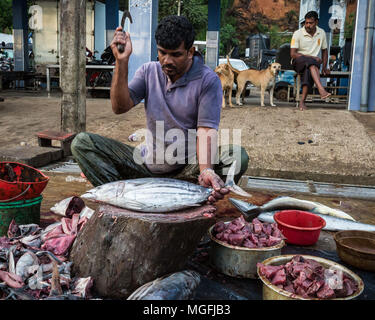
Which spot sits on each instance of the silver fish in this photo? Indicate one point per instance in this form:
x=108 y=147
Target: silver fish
x=176 y=286
x=332 y=223
x=156 y=194
x=293 y=203
x=27 y=260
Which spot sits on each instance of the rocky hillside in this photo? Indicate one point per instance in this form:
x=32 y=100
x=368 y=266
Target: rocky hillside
x=250 y=13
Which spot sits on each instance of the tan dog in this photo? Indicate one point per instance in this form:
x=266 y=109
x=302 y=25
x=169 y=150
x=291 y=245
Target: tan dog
x=263 y=79
x=226 y=78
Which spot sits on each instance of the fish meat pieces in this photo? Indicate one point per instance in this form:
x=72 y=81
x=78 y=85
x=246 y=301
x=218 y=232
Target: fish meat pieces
x=82 y=287
x=11 y=279
x=156 y=194
x=176 y=286
x=332 y=223
x=247 y=234
x=307 y=278
x=281 y=203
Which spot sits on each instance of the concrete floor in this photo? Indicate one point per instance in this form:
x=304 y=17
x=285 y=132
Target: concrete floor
x=343 y=149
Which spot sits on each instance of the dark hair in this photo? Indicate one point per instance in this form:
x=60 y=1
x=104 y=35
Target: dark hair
x=172 y=30
x=312 y=14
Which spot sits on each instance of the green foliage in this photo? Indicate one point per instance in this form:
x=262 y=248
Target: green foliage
x=277 y=38
x=195 y=10
x=227 y=41
x=349 y=26
x=6 y=18
x=261 y=28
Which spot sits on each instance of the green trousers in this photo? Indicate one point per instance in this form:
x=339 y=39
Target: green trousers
x=104 y=160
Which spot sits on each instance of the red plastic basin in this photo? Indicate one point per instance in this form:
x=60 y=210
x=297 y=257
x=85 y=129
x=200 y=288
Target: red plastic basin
x=19 y=181
x=299 y=227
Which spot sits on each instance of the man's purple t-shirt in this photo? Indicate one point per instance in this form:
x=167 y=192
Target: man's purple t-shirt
x=193 y=101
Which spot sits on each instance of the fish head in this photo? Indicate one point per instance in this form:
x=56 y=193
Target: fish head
x=89 y=195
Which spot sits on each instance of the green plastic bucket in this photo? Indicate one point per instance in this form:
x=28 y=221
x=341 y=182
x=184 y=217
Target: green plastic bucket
x=23 y=212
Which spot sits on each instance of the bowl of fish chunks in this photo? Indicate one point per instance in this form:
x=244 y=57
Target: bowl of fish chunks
x=237 y=246
x=304 y=277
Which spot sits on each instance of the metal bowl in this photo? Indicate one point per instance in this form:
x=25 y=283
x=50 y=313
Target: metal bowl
x=272 y=292
x=238 y=261
x=356 y=248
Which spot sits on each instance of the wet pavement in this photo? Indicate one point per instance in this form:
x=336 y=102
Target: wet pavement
x=215 y=285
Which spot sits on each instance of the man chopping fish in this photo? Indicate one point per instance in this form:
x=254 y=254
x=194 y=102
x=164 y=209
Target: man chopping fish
x=182 y=98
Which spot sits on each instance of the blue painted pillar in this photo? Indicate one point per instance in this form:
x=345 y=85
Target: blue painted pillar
x=142 y=32
x=357 y=62
x=111 y=19
x=324 y=19
x=212 y=36
x=20 y=33
x=325 y=15
x=100 y=30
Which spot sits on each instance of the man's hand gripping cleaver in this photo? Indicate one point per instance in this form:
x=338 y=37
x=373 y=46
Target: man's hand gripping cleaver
x=126 y=14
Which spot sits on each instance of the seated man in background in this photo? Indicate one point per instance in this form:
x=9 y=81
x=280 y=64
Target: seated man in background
x=304 y=50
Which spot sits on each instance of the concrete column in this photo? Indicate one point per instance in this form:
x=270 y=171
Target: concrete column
x=111 y=19
x=356 y=76
x=20 y=32
x=212 y=36
x=73 y=65
x=142 y=31
x=324 y=18
x=306 y=6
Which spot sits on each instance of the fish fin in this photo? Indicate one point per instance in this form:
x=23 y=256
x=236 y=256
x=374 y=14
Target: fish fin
x=231 y=185
x=55 y=281
x=88 y=195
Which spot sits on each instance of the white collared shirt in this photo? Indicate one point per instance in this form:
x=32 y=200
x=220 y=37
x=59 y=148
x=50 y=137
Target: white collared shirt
x=309 y=45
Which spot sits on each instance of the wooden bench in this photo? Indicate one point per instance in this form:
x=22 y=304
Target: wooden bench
x=334 y=97
x=45 y=140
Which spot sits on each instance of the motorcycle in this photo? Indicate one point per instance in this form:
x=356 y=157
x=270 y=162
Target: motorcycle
x=99 y=78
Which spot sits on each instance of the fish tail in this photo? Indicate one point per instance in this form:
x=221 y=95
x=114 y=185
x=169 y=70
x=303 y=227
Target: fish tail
x=248 y=209
x=231 y=185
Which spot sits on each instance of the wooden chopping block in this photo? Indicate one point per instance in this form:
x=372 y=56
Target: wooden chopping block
x=123 y=249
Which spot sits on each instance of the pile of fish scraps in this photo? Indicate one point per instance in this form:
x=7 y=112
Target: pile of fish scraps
x=33 y=261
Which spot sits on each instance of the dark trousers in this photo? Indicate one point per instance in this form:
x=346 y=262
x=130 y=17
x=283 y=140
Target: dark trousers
x=104 y=160
x=301 y=65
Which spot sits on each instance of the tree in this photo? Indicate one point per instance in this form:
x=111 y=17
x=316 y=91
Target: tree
x=195 y=10
x=227 y=41
x=349 y=26
x=6 y=17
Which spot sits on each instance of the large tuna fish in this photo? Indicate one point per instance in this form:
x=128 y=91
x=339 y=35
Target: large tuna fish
x=156 y=194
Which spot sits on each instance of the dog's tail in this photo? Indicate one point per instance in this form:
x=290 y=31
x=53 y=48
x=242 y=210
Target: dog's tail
x=236 y=71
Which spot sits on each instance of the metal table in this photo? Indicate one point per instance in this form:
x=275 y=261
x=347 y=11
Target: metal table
x=88 y=66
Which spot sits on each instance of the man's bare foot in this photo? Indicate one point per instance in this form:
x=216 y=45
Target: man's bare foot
x=324 y=95
x=302 y=106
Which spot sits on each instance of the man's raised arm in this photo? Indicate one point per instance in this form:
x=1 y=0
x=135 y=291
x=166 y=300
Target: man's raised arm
x=120 y=96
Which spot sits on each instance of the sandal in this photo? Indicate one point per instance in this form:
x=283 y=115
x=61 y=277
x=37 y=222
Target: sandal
x=326 y=96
